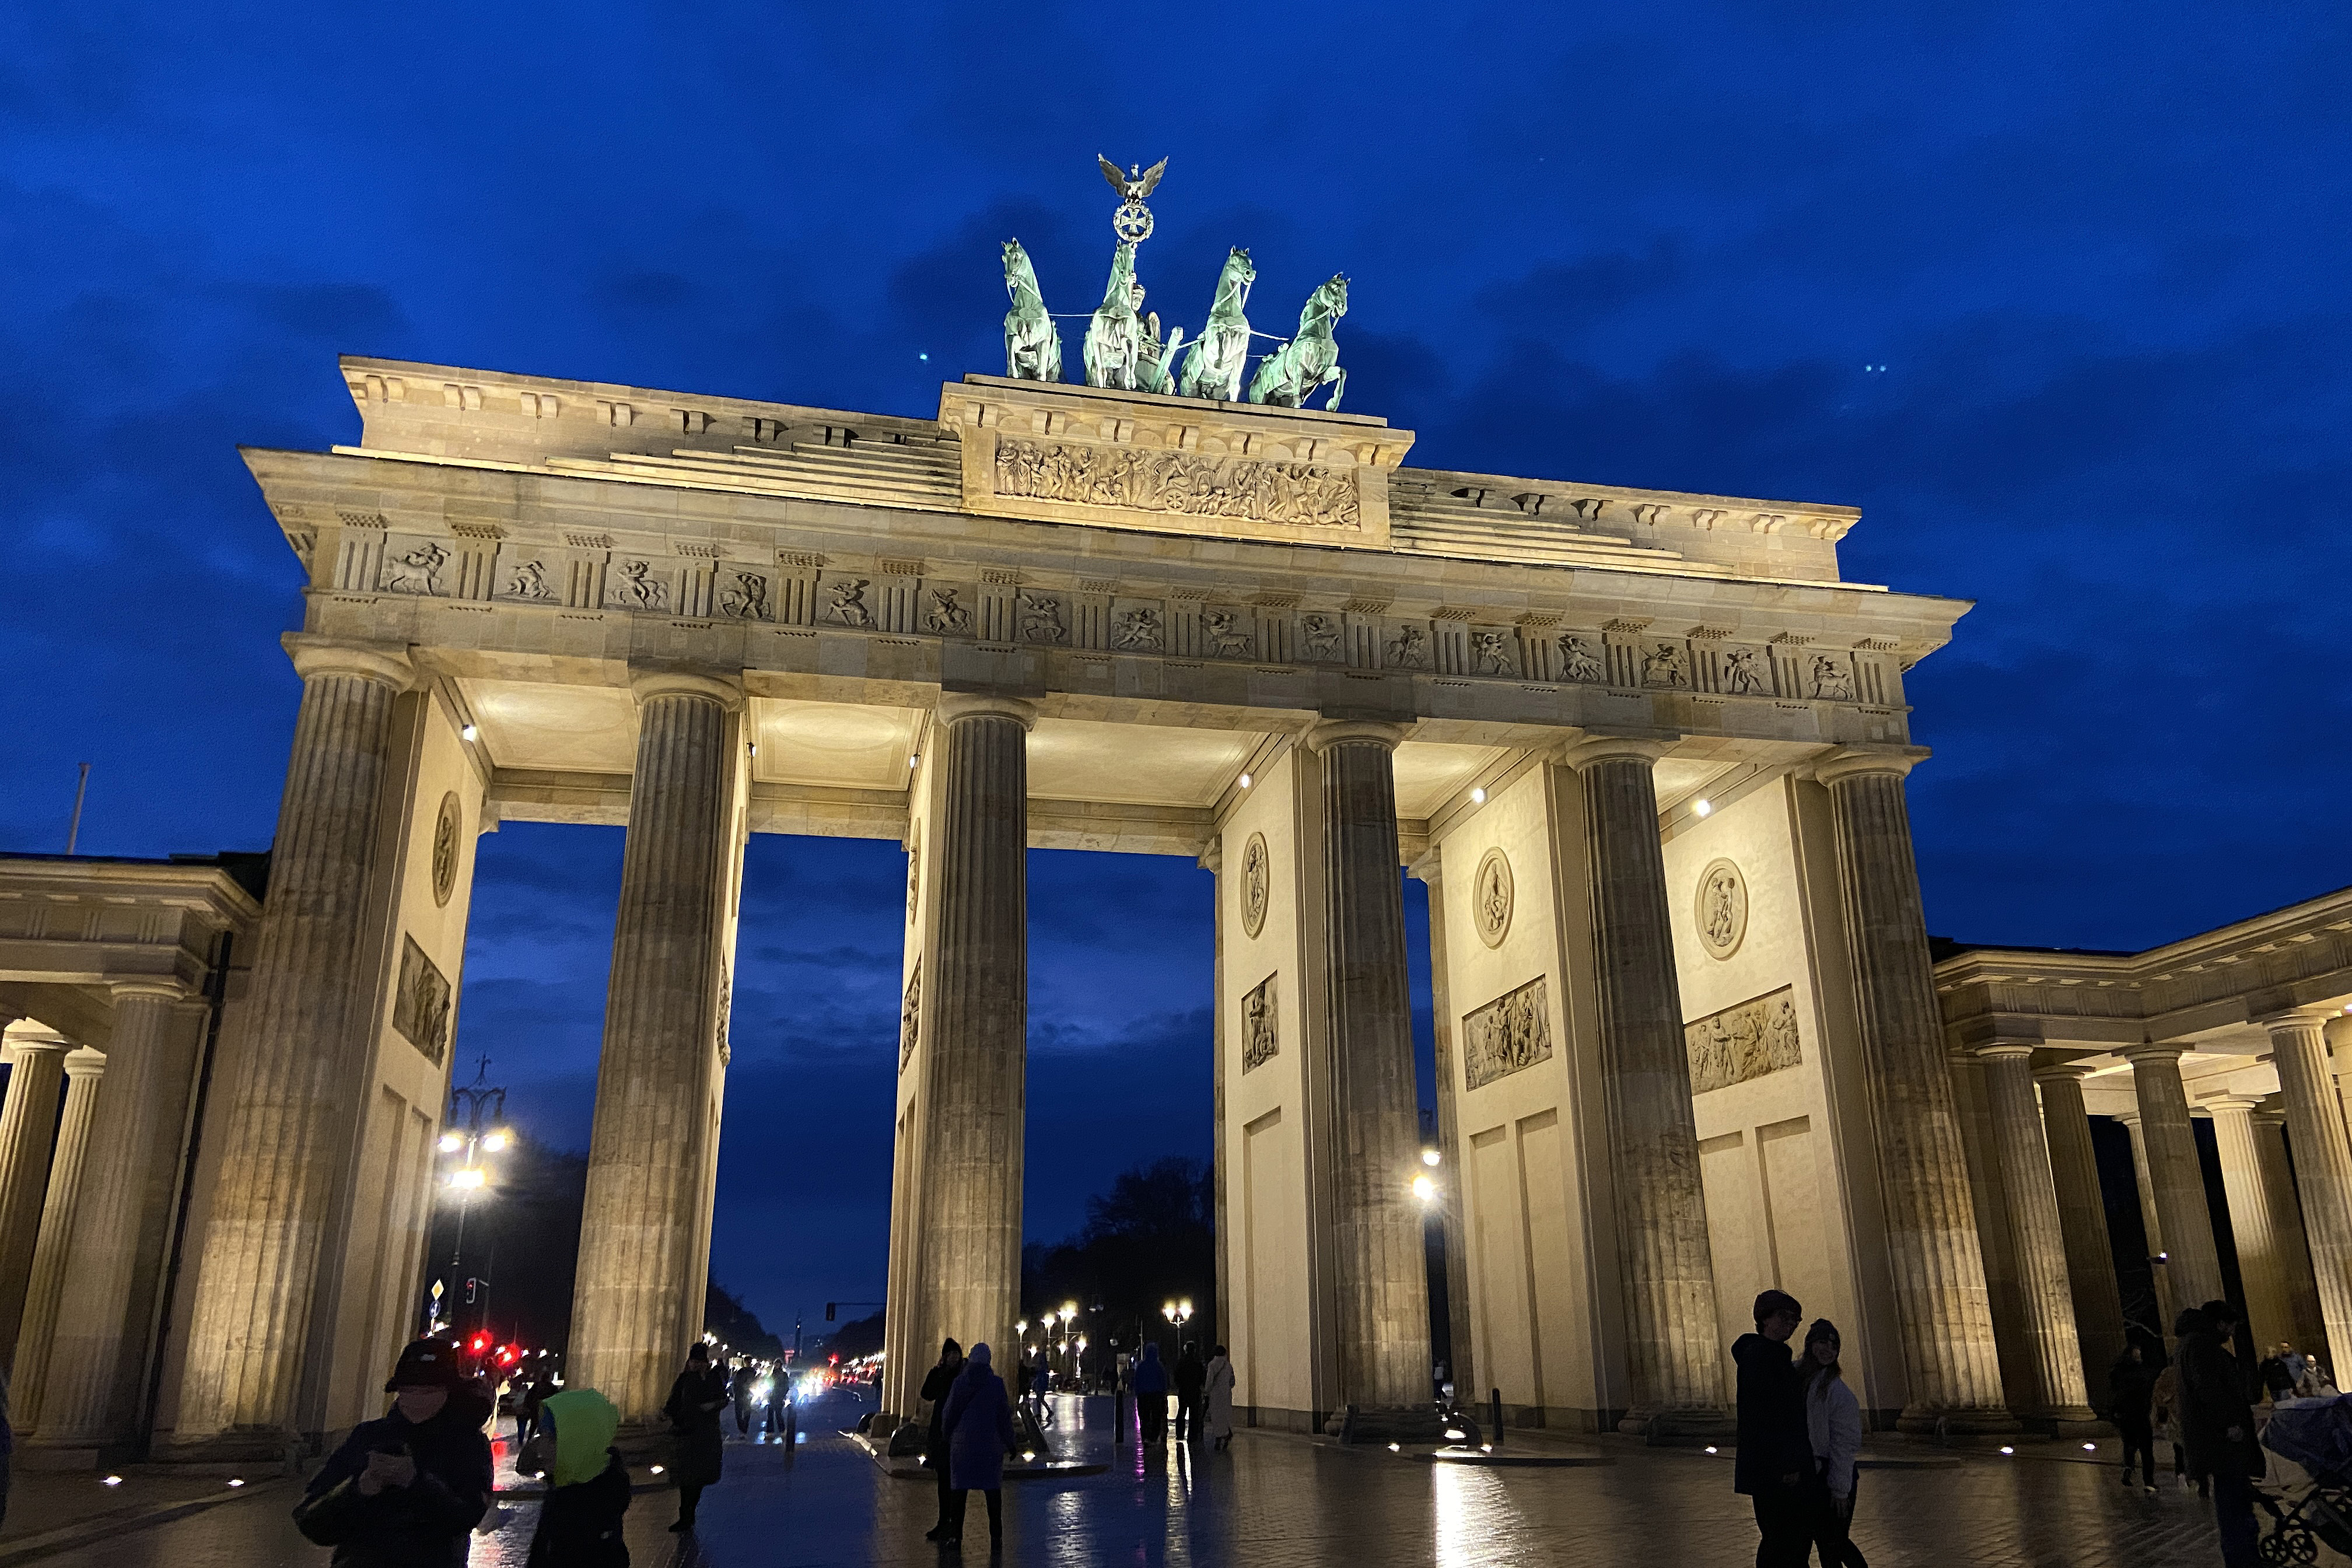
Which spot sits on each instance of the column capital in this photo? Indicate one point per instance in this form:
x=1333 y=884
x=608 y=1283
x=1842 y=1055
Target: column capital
x=1325 y=733
x=83 y=1062
x=2057 y=1072
x=2268 y=1115
x=314 y=655
x=647 y=681
x=1851 y=762
x=1587 y=749
x=25 y=1036
x=2227 y=1102
x=2154 y=1051
x=162 y=987
x=1996 y=1049
x=2284 y=1019
x=956 y=705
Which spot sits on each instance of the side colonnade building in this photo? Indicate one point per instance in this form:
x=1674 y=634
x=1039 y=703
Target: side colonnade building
x=1647 y=749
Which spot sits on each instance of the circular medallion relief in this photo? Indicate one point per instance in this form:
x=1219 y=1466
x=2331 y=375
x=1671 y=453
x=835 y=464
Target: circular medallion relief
x=1722 y=910
x=1490 y=898
x=446 y=834
x=1257 y=883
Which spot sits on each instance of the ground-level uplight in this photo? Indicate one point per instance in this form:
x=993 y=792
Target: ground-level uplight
x=2007 y=1449
x=111 y=1481
x=657 y=1470
x=237 y=1480
x=1711 y=1447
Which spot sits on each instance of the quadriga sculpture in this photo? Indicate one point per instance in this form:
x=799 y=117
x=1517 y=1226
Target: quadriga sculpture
x=1033 y=348
x=1213 y=368
x=1309 y=360
x=1113 y=337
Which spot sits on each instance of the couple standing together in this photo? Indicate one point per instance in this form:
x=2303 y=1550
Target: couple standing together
x=1800 y=1437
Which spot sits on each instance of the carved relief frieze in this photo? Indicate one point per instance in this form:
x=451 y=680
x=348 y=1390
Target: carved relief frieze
x=413 y=567
x=1408 y=648
x=448 y=837
x=1041 y=619
x=1829 y=678
x=1757 y=1036
x=1261 y=1031
x=420 y=1007
x=910 y=1015
x=1580 y=657
x=1225 y=634
x=1491 y=897
x=745 y=595
x=636 y=583
x=1491 y=651
x=1140 y=630
x=1666 y=664
x=1304 y=494
x=846 y=603
x=1320 y=637
x=527 y=579
x=1509 y=1033
x=1257 y=884
x=1747 y=672
x=946 y=617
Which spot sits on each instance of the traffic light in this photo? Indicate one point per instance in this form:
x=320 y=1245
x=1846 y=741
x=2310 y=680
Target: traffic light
x=829 y=1306
x=478 y=1343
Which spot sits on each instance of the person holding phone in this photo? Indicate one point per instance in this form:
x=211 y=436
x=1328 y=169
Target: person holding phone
x=403 y=1490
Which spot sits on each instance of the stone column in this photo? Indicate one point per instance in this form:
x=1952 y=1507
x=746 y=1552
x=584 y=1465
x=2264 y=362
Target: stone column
x=2322 y=1165
x=1938 y=1266
x=2192 y=1261
x=290 y=1073
x=2083 y=1217
x=1674 y=1346
x=1380 y=1310
x=1212 y=861
x=2261 y=1266
x=1431 y=869
x=85 y=1077
x=2308 y=1328
x=28 y=1124
x=2151 y=1224
x=636 y=1304
x=976 y=988
x=2338 y=1033
x=2036 y=1234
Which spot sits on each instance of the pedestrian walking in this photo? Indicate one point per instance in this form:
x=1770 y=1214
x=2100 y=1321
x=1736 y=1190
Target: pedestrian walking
x=938 y=1384
x=1833 y=1430
x=1152 y=1394
x=528 y=1406
x=2131 y=1391
x=1220 y=1416
x=587 y=1483
x=2217 y=1421
x=1775 y=1454
x=1192 y=1381
x=744 y=1402
x=979 y=1433
x=1039 y=1383
x=2166 y=1406
x=698 y=1447
x=403 y=1490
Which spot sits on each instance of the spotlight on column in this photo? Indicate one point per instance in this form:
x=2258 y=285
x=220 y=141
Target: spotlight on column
x=1430 y=1156
x=1703 y=807
x=1246 y=783
x=467 y=732
x=1478 y=797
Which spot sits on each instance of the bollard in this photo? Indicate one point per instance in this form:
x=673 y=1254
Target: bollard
x=1495 y=1414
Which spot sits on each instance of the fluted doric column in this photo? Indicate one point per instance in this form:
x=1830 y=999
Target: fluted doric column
x=975 y=987
x=2307 y=1329
x=1463 y=1364
x=292 y=1069
x=28 y=1123
x=2322 y=1165
x=2036 y=1236
x=1673 y=1345
x=121 y=1227
x=2192 y=1261
x=1940 y=1283
x=2083 y=1217
x=636 y=1303
x=85 y=1081
x=2255 y=1229
x=1381 y=1280
x=2151 y=1224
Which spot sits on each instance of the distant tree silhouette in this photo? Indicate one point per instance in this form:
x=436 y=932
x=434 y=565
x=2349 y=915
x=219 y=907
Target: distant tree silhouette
x=1151 y=1238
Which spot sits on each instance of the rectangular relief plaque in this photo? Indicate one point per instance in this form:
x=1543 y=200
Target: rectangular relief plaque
x=1261 y=1041
x=1744 y=1041
x=420 y=1009
x=1512 y=1032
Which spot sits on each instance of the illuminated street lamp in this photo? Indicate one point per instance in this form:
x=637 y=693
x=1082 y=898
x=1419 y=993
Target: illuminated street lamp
x=476 y=1126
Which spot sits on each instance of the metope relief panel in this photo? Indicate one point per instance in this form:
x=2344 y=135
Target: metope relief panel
x=420 y=1009
x=1744 y=1042
x=1261 y=1032
x=1744 y=672
x=414 y=565
x=1508 y=1034
x=947 y=610
x=637 y=583
x=746 y=593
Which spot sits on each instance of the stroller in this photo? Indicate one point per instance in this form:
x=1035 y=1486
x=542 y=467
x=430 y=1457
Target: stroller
x=2317 y=1435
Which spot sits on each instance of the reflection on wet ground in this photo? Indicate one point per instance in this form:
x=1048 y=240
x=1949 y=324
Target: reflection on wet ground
x=1279 y=1501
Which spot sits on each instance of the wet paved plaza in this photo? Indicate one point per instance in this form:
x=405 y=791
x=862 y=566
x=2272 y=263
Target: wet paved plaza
x=1273 y=1502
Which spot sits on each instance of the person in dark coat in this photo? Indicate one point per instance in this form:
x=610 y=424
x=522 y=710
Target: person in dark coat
x=1775 y=1455
x=979 y=1425
x=1152 y=1394
x=1191 y=1378
x=405 y=1490
x=2217 y=1424
x=587 y=1484
x=698 y=1447
x=938 y=1384
x=2131 y=1394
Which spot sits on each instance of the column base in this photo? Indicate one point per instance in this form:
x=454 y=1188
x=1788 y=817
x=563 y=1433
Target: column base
x=56 y=1457
x=1992 y=1422
x=1353 y=1424
x=1680 y=1428
x=246 y=1451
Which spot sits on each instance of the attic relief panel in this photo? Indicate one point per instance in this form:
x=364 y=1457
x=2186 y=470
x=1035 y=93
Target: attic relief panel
x=1296 y=493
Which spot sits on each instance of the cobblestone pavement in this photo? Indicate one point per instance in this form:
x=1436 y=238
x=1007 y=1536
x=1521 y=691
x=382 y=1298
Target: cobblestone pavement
x=1273 y=1502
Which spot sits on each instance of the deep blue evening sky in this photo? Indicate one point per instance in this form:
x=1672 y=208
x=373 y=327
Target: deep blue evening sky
x=2100 y=251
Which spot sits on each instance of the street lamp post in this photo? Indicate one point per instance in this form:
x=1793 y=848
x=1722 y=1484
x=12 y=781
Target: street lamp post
x=476 y=1126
